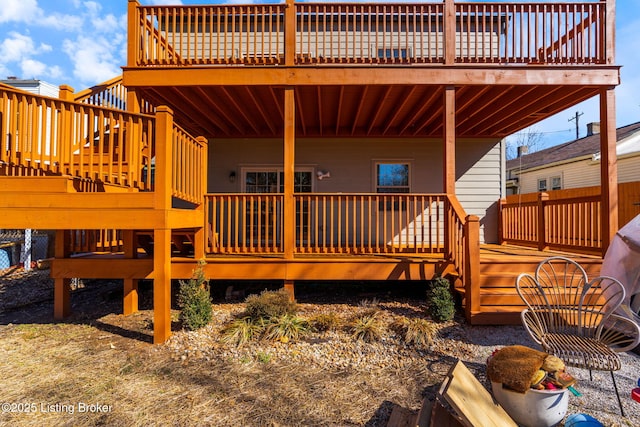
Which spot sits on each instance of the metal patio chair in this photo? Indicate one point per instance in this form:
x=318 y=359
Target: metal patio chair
x=572 y=318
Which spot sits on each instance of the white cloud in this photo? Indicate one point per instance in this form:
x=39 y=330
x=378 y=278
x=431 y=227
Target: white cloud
x=32 y=68
x=18 y=10
x=93 y=59
x=15 y=47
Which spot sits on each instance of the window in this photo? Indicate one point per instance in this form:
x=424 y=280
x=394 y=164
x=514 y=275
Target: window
x=556 y=183
x=397 y=53
x=392 y=178
x=542 y=184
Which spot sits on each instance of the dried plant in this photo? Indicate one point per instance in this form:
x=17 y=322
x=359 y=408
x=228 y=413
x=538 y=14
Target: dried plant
x=242 y=330
x=286 y=328
x=367 y=327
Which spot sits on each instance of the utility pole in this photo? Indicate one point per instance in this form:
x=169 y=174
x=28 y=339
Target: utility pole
x=577 y=119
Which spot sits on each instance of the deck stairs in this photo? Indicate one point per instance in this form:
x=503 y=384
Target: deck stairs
x=500 y=303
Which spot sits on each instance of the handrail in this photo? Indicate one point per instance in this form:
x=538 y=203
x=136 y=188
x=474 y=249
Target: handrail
x=189 y=156
x=464 y=251
x=347 y=223
x=48 y=135
x=497 y=33
x=111 y=94
x=533 y=32
x=570 y=223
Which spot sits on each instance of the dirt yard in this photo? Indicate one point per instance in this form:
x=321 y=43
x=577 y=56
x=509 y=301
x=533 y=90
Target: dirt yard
x=99 y=368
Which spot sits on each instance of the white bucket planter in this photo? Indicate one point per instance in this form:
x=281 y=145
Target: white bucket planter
x=535 y=408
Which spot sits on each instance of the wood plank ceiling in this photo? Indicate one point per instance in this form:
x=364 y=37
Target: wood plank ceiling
x=363 y=111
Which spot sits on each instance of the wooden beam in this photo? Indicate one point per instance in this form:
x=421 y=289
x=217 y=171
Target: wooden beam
x=289 y=210
x=449 y=32
x=130 y=298
x=99 y=218
x=133 y=25
x=62 y=285
x=161 y=285
x=290 y=33
x=458 y=75
x=449 y=141
x=608 y=167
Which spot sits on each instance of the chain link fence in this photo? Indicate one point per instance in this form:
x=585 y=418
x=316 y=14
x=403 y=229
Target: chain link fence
x=25 y=247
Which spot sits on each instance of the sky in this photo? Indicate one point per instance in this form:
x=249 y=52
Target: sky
x=83 y=42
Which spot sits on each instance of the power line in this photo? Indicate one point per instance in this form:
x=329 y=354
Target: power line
x=577 y=119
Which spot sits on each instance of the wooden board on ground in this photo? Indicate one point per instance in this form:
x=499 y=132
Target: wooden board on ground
x=472 y=402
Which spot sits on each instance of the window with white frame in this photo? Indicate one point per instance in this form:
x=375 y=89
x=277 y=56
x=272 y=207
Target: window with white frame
x=556 y=183
x=542 y=184
x=392 y=177
x=394 y=53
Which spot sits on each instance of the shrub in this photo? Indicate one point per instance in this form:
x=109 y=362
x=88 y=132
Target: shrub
x=367 y=327
x=325 y=322
x=286 y=327
x=194 y=300
x=440 y=304
x=419 y=332
x=241 y=331
x=270 y=304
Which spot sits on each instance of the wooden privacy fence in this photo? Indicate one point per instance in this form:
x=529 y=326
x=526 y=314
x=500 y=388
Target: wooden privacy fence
x=47 y=135
x=572 y=223
x=437 y=32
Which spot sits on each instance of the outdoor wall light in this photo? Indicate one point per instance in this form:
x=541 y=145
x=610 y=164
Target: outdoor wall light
x=232 y=177
x=323 y=174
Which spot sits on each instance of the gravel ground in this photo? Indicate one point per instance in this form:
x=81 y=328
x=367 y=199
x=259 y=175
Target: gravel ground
x=32 y=292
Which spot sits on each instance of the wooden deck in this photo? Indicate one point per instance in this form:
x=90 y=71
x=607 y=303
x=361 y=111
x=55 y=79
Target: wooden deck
x=495 y=301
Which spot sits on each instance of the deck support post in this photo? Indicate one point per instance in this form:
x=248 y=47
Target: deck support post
x=289 y=210
x=62 y=286
x=608 y=167
x=290 y=33
x=200 y=235
x=449 y=140
x=542 y=222
x=130 y=299
x=162 y=234
x=161 y=285
x=65 y=93
x=449 y=32
x=472 y=266
x=289 y=287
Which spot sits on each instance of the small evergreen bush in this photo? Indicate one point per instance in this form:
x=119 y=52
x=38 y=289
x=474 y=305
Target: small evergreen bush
x=269 y=304
x=440 y=304
x=194 y=300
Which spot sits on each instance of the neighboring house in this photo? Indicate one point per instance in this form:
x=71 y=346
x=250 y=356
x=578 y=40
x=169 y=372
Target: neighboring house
x=574 y=164
x=37 y=87
x=303 y=142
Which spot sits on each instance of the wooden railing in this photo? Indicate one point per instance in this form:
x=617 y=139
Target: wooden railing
x=441 y=32
x=205 y=35
x=369 y=33
x=84 y=241
x=369 y=223
x=463 y=249
x=328 y=223
x=244 y=223
x=540 y=33
x=68 y=138
x=111 y=94
x=189 y=165
x=560 y=224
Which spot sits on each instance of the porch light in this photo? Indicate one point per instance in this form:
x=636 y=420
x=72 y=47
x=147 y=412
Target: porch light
x=323 y=174
x=232 y=177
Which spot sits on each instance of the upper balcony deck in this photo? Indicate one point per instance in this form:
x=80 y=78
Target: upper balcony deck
x=370 y=69
x=437 y=32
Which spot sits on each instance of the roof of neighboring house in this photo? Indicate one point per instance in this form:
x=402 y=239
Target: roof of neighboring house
x=589 y=145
